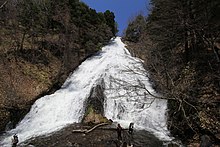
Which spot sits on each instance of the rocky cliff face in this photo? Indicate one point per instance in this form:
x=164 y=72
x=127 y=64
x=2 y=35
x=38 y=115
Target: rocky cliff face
x=41 y=43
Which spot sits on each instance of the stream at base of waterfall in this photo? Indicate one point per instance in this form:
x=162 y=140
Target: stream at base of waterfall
x=129 y=98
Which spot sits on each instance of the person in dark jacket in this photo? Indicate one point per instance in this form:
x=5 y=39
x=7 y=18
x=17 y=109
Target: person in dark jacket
x=14 y=140
x=119 y=132
x=131 y=128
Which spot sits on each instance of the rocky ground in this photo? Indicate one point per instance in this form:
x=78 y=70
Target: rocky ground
x=104 y=136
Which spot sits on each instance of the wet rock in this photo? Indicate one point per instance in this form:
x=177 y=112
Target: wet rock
x=94 y=105
x=105 y=136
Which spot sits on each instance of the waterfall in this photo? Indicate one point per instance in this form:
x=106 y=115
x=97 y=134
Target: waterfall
x=126 y=90
x=130 y=96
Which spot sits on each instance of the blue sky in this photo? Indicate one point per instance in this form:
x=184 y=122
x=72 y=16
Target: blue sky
x=124 y=10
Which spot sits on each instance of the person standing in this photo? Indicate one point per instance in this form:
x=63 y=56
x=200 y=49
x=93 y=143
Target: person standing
x=14 y=140
x=131 y=128
x=119 y=131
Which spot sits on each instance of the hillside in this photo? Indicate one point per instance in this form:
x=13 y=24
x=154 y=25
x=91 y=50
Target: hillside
x=41 y=43
x=180 y=44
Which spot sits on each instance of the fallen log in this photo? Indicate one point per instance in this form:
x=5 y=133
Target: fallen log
x=90 y=130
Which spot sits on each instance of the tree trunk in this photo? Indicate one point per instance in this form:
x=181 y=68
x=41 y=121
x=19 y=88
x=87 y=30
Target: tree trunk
x=22 y=40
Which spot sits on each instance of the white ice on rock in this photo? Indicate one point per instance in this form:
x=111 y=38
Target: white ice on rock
x=126 y=101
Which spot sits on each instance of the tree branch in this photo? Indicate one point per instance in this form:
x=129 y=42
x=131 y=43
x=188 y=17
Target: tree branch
x=3 y=4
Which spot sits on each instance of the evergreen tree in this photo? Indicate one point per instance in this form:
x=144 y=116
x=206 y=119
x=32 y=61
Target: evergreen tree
x=135 y=28
x=110 y=21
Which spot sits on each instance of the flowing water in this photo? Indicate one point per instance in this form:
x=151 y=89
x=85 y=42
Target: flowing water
x=127 y=89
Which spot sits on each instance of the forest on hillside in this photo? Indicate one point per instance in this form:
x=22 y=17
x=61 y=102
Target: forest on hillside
x=180 y=43
x=41 y=42
x=31 y=21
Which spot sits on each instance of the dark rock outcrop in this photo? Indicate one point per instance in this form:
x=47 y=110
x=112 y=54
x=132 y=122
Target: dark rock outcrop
x=94 y=106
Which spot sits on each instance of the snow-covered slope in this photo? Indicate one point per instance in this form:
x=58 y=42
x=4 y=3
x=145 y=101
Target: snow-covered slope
x=127 y=99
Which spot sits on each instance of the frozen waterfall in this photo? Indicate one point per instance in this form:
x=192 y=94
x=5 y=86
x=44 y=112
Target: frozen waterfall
x=127 y=99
